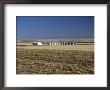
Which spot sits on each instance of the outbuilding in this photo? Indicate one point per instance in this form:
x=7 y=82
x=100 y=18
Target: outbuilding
x=62 y=43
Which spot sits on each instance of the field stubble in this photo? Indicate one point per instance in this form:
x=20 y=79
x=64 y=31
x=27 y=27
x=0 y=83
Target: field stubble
x=49 y=61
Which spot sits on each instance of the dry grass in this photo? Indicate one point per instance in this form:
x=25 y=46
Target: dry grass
x=61 y=47
x=81 y=46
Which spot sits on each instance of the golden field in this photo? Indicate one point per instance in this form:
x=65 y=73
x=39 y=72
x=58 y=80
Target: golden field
x=88 y=47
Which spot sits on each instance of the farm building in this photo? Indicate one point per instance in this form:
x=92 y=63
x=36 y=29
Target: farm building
x=62 y=43
x=37 y=43
x=54 y=43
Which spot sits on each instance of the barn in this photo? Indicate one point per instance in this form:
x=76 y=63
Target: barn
x=37 y=43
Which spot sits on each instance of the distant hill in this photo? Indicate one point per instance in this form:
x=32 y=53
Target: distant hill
x=50 y=40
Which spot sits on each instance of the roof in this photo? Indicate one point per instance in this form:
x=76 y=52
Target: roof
x=35 y=42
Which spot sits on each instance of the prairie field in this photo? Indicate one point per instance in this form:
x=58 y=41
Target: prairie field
x=74 y=59
x=81 y=46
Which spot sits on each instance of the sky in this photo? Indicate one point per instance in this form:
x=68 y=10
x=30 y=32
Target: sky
x=52 y=27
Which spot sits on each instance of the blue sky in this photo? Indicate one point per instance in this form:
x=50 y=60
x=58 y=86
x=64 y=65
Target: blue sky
x=34 y=27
